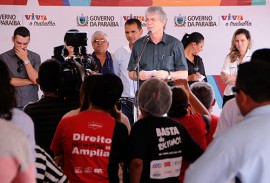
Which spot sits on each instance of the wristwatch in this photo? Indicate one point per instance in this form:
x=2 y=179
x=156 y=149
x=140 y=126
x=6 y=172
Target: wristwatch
x=26 y=62
x=169 y=75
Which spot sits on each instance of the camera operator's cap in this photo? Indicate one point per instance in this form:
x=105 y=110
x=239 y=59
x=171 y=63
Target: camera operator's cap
x=155 y=97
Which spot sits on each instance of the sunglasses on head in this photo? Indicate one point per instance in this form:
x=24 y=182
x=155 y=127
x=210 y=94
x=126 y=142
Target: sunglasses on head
x=20 y=64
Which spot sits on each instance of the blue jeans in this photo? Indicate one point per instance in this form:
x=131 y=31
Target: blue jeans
x=127 y=107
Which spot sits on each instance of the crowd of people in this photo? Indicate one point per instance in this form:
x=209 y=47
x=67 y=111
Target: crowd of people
x=84 y=127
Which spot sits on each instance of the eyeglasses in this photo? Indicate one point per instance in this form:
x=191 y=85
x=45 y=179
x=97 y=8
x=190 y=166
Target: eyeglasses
x=20 y=64
x=152 y=20
x=235 y=90
x=100 y=41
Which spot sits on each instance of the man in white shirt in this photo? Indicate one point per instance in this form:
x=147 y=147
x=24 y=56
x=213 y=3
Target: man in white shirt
x=230 y=116
x=133 y=31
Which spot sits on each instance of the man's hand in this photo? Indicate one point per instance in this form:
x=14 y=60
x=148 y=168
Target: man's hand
x=182 y=82
x=59 y=160
x=144 y=75
x=22 y=54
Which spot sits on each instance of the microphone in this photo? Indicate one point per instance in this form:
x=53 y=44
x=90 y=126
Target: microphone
x=149 y=33
x=144 y=43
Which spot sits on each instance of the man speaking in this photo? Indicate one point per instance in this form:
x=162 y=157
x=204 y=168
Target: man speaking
x=157 y=54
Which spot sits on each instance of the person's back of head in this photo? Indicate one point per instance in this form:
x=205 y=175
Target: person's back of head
x=7 y=93
x=253 y=80
x=257 y=83
x=204 y=92
x=154 y=97
x=179 y=106
x=48 y=75
x=108 y=90
x=261 y=55
x=87 y=86
x=21 y=31
x=72 y=75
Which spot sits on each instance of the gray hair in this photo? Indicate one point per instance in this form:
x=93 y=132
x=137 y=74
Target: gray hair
x=158 y=10
x=204 y=92
x=154 y=97
x=99 y=33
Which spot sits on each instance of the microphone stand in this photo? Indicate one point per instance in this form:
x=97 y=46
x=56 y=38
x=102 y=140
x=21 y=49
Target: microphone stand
x=137 y=68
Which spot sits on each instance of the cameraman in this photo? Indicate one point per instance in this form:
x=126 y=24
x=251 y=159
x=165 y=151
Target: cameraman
x=74 y=50
x=69 y=48
x=64 y=51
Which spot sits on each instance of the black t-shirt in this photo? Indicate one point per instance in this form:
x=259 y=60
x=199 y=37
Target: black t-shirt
x=197 y=67
x=119 y=151
x=46 y=114
x=162 y=143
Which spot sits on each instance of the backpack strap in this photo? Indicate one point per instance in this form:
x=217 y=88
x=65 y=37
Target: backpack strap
x=207 y=123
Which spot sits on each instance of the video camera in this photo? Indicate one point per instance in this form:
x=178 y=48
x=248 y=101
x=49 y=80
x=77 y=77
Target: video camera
x=76 y=39
x=73 y=68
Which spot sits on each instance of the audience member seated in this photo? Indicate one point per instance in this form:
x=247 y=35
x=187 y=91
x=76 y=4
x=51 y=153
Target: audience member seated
x=8 y=110
x=230 y=115
x=157 y=142
x=17 y=164
x=242 y=151
x=87 y=86
x=25 y=123
x=92 y=142
x=190 y=112
x=47 y=170
x=48 y=111
x=205 y=93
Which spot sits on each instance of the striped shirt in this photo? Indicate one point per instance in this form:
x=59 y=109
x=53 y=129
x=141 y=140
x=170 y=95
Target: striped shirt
x=47 y=170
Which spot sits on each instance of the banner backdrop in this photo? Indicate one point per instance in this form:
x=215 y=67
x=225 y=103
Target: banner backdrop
x=217 y=23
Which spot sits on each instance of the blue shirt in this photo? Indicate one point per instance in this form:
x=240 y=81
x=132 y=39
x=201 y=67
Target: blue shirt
x=167 y=55
x=107 y=66
x=242 y=151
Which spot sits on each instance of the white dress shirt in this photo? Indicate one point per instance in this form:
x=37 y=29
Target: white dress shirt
x=232 y=68
x=121 y=60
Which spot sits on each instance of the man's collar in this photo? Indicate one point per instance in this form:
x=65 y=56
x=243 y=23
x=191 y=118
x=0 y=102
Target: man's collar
x=107 y=54
x=164 y=39
x=127 y=48
x=12 y=52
